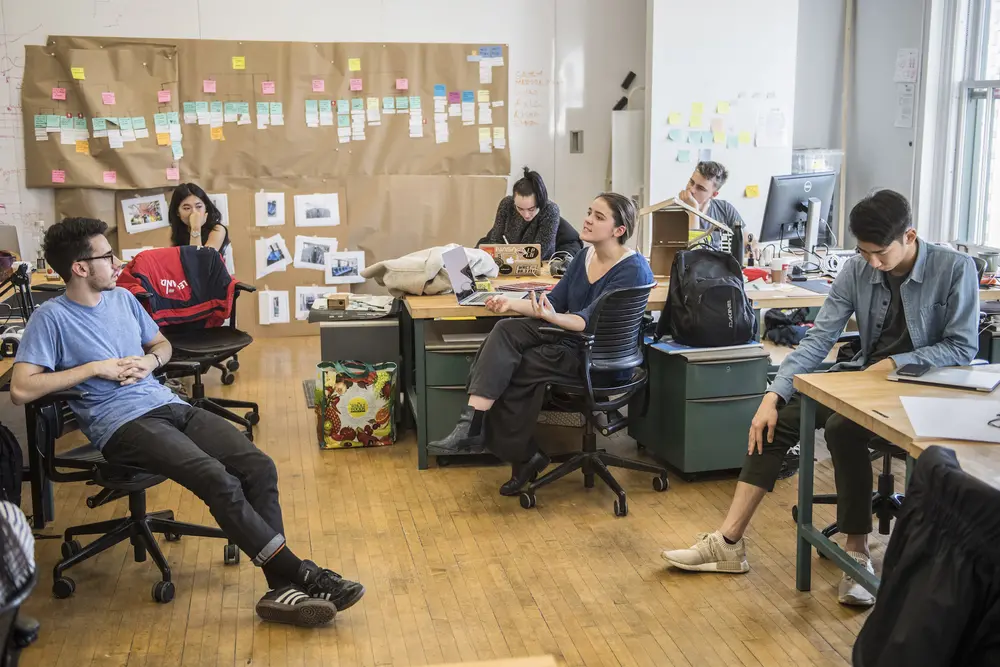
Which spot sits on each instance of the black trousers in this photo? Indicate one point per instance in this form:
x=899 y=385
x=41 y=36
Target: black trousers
x=512 y=368
x=852 y=466
x=205 y=454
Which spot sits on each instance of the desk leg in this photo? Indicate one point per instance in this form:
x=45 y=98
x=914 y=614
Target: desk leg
x=759 y=314
x=420 y=388
x=807 y=449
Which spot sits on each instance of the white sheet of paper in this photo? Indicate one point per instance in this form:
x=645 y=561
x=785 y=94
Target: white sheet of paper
x=273 y=306
x=272 y=255
x=311 y=251
x=904 y=104
x=344 y=267
x=968 y=418
x=317 y=210
x=221 y=201
x=907 y=66
x=304 y=297
x=270 y=208
x=143 y=214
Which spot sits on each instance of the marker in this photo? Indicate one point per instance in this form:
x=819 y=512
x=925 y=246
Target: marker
x=881 y=414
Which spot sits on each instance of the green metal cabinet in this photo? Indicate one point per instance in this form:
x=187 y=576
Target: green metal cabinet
x=700 y=407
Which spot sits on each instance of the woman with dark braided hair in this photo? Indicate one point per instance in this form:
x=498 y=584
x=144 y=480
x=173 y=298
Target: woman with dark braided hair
x=515 y=363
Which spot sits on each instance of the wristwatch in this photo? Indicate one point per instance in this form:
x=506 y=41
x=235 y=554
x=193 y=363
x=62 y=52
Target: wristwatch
x=157 y=357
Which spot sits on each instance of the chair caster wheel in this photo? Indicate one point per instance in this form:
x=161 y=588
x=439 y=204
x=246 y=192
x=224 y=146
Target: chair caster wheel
x=231 y=554
x=232 y=365
x=91 y=502
x=172 y=537
x=71 y=548
x=252 y=417
x=443 y=461
x=527 y=500
x=163 y=591
x=795 y=513
x=228 y=378
x=661 y=484
x=621 y=507
x=63 y=587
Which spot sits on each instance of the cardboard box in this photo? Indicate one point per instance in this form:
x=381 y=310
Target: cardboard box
x=669 y=221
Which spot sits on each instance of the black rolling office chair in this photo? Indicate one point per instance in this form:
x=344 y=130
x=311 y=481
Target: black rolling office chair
x=611 y=344
x=47 y=419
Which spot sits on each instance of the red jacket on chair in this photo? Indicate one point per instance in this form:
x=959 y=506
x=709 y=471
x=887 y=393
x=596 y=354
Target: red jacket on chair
x=187 y=284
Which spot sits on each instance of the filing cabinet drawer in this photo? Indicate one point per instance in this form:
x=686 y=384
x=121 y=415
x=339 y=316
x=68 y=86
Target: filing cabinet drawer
x=737 y=377
x=448 y=369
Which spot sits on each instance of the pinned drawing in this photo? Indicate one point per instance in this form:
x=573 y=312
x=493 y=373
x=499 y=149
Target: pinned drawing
x=272 y=255
x=344 y=267
x=270 y=208
x=304 y=298
x=317 y=210
x=310 y=251
x=143 y=214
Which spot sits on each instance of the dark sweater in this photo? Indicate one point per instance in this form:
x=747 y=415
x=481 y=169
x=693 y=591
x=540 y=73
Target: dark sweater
x=509 y=223
x=574 y=293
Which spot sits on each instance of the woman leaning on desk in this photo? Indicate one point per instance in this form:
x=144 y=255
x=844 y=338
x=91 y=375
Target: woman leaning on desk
x=512 y=368
x=195 y=220
x=529 y=216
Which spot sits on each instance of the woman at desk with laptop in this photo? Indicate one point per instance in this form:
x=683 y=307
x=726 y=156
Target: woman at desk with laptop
x=515 y=363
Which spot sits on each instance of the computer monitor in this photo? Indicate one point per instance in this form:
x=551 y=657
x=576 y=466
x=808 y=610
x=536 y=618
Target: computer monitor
x=785 y=215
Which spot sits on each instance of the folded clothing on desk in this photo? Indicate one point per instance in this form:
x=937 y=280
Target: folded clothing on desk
x=422 y=272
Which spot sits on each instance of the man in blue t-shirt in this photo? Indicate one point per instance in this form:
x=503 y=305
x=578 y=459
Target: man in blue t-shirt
x=98 y=340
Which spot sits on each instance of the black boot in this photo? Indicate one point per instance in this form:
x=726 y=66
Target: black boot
x=465 y=438
x=524 y=473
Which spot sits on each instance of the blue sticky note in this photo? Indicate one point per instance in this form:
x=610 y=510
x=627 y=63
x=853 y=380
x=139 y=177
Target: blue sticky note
x=39 y=122
x=468 y=96
x=189 y=107
x=100 y=125
x=65 y=123
x=159 y=119
x=125 y=124
x=230 y=108
x=707 y=137
x=733 y=141
x=343 y=107
x=402 y=103
x=177 y=149
x=414 y=102
x=263 y=109
x=243 y=108
x=675 y=135
x=52 y=120
x=202 y=107
x=216 y=107
x=326 y=106
x=705 y=155
x=80 y=124
x=312 y=106
x=357 y=104
x=389 y=103
x=343 y=120
x=440 y=90
x=173 y=118
x=275 y=108
x=138 y=123
x=496 y=52
x=684 y=156
x=484 y=52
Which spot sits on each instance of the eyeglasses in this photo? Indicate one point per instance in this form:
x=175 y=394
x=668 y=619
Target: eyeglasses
x=110 y=256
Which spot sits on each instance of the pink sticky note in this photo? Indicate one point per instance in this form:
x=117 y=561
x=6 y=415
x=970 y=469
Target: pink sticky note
x=111 y=177
x=454 y=97
x=163 y=96
x=402 y=84
x=108 y=98
x=58 y=176
x=319 y=85
x=355 y=84
x=267 y=87
x=173 y=174
x=208 y=85
x=58 y=93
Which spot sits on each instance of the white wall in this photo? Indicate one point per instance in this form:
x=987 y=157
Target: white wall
x=819 y=74
x=567 y=40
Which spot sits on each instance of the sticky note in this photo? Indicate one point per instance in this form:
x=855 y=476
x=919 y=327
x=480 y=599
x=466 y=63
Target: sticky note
x=319 y=85
x=496 y=52
x=355 y=84
x=108 y=98
x=139 y=123
x=163 y=96
x=58 y=176
x=484 y=134
x=263 y=109
x=343 y=120
x=695 y=120
x=732 y=141
x=100 y=125
x=719 y=137
x=707 y=136
x=239 y=62
x=162 y=139
x=80 y=124
x=216 y=107
x=201 y=107
x=39 y=122
x=354 y=64
x=173 y=118
x=499 y=134
x=402 y=84
x=217 y=134
x=83 y=146
x=372 y=103
x=684 y=156
x=267 y=87
x=484 y=96
x=357 y=104
x=454 y=97
x=694 y=137
x=414 y=102
x=111 y=177
x=58 y=93
x=744 y=138
x=718 y=125
x=440 y=90
x=389 y=103
x=752 y=191
x=674 y=119
x=697 y=108
x=173 y=174
x=723 y=107
x=705 y=155
x=208 y=85
x=675 y=135
x=77 y=73
x=468 y=96
x=402 y=103
x=276 y=109
x=178 y=150
x=342 y=106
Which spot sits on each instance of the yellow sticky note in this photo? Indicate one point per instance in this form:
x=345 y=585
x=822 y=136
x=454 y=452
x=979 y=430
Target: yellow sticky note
x=752 y=192
x=719 y=137
x=695 y=120
x=723 y=107
x=77 y=73
x=499 y=133
x=163 y=139
x=239 y=62
x=83 y=147
x=674 y=119
x=697 y=109
x=744 y=138
x=484 y=96
x=354 y=64
x=484 y=134
x=217 y=134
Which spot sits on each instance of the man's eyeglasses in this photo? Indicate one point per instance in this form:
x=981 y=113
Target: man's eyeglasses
x=110 y=256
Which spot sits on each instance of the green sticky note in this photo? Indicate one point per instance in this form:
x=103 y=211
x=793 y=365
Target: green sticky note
x=263 y=109
x=733 y=141
x=139 y=123
x=52 y=120
x=216 y=107
x=159 y=119
x=65 y=123
x=201 y=107
x=326 y=106
x=230 y=108
x=125 y=124
x=343 y=106
x=357 y=104
x=79 y=123
x=403 y=103
x=414 y=102
x=312 y=106
x=389 y=103
x=39 y=122
x=276 y=109
x=243 y=108
x=177 y=149
x=343 y=120
x=707 y=137
x=100 y=125
x=173 y=118
x=684 y=156
x=190 y=107
x=675 y=135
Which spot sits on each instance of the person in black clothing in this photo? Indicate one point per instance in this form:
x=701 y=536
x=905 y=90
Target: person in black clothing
x=195 y=220
x=527 y=216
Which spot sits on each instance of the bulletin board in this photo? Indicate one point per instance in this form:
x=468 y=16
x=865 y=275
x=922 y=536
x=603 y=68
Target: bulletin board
x=409 y=184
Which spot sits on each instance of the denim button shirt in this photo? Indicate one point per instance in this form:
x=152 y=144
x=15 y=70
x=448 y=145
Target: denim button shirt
x=940 y=302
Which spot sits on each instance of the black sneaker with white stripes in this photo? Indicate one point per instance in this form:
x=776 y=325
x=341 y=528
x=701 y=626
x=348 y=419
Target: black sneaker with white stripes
x=328 y=585
x=290 y=604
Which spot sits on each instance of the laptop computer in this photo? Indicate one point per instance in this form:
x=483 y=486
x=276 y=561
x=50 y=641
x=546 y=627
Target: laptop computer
x=456 y=263
x=516 y=259
x=956 y=378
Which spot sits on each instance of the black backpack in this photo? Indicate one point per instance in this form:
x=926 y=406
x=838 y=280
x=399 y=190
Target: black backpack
x=11 y=467
x=706 y=304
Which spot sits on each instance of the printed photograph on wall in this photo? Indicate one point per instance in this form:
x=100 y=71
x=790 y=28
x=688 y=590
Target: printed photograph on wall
x=344 y=267
x=270 y=208
x=317 y=210
x=304 y=298
x=273 y=307
x=143 y=214
x=310 y=251
x=221 y=202
x=272 y=255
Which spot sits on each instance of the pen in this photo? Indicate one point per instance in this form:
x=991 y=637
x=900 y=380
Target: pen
x=505 y=239
x=881 y=414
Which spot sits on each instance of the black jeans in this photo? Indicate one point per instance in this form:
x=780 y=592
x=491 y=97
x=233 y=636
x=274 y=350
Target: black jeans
x=852 y=466
x=205 y=454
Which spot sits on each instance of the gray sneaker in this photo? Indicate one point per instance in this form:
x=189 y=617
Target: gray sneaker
x=852 y=593
x=711 y=553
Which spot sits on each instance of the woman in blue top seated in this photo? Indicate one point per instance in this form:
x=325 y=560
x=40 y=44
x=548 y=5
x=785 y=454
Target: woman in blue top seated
x=516 y=361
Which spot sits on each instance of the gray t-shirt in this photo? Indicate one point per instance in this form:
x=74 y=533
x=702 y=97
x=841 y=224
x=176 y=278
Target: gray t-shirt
x=895 y=336
x=63 y=334
x=724 y=212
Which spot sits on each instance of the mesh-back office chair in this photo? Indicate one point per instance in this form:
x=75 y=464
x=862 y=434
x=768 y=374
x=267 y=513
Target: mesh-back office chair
x=47 y=419
x=611 y=345
x=17 y=580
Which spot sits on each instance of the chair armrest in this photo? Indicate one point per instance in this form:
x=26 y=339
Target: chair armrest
x=55 y=397
x=189 y=366
x=48 y=287
x=559 y=332
x=243 y=287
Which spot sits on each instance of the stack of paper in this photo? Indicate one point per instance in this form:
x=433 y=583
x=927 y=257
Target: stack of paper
x=967 y=418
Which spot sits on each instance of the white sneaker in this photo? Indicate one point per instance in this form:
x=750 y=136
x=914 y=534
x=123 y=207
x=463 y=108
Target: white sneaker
x=851 y=592
x=711 y=553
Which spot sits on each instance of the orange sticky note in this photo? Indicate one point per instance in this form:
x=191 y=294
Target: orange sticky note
x=751 y=192
x=208 y=85
x=173 y=174
x=83 y=147
x=111 y=177
x=162 y=139
x=217 y=134
x=58 y=176
x=239 y=62
x=163 y=96
x=267 y=87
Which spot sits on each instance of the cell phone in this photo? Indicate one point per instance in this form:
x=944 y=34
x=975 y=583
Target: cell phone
x=913 y=370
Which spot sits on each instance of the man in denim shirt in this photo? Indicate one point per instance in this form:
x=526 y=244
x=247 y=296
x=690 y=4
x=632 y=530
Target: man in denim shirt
x=915 y=303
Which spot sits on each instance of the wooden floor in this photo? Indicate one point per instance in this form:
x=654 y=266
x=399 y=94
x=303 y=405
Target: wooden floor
x=453 y=570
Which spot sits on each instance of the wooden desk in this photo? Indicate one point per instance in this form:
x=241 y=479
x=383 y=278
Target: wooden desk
x=869 y=400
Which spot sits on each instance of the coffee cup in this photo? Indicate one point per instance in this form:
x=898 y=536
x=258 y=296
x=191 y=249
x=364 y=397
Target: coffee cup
x=778 y=270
